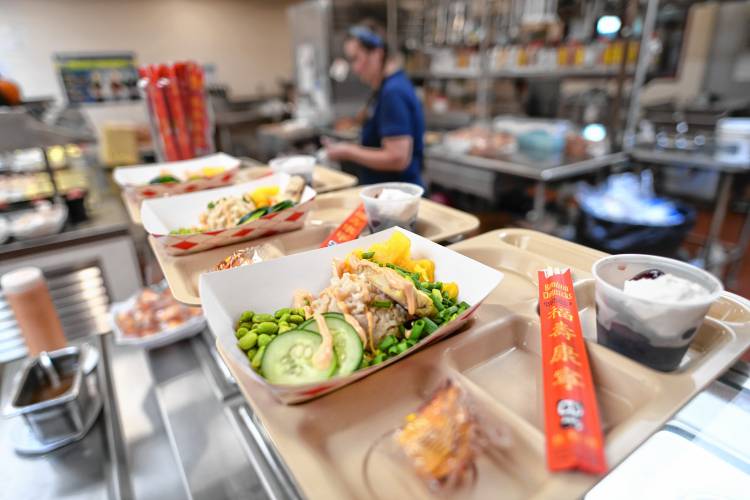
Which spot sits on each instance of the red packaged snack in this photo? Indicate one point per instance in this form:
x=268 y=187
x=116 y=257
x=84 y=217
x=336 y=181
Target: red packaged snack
x=178 y=112
x=155 y=91
x=571 y=415
x=350 y=229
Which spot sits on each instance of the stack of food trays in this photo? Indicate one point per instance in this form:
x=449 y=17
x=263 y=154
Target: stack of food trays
x=435 y=222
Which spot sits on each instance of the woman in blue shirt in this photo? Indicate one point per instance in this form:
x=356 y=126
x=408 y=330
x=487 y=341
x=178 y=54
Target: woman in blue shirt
x=393 y=129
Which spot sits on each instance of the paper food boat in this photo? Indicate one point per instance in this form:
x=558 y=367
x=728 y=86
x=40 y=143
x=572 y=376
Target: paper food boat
x=269 y=286
x=162 y=215
x=135 y=180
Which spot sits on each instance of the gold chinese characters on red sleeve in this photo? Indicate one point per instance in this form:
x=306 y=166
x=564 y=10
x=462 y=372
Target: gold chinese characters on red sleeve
x=350 y=229
x=572 y=425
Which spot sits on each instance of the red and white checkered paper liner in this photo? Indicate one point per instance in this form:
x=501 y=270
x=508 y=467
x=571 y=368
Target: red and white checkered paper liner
x=134 y=180
x=172 y=188
x=275 y=223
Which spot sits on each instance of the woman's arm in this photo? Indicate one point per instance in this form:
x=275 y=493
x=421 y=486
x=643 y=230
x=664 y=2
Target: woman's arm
x=394 y=156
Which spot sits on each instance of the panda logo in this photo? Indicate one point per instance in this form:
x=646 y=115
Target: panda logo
x=571 y=413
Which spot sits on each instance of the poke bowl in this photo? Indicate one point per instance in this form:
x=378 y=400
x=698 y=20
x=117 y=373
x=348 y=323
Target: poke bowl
x=309 y=323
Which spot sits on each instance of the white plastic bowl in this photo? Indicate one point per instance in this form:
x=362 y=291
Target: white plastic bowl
x=302 y=165
x=42 y=223
x=383 y=214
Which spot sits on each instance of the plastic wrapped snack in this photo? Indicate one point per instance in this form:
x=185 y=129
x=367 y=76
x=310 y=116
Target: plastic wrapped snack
x=443 y=439
x=251 y=255
x=440 y=439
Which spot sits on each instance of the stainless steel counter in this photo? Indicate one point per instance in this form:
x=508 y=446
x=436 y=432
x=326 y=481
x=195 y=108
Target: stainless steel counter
x=694 y=159
x=108 y=220
x=712 y=246
x=478 y=176
x=188 y=431
x=521 y=165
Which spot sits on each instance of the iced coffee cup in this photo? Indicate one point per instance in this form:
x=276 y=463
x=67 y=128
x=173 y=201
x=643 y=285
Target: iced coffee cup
x=648 y=308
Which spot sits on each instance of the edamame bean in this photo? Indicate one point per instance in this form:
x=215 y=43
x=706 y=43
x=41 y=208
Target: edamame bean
x=246 y=316
x=263 y=318
x=241 y=332
x=246 y=324
x=264 y=339
x=281 y=312
x=248 y=341
x=284 y=329
x=251 y=354
x=296 y=318
x=268 y=327
x=258 y=358
x=284 y=317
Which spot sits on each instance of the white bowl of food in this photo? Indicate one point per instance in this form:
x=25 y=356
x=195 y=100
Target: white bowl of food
x=194 y=222
x=153 y=318
x=44 y=219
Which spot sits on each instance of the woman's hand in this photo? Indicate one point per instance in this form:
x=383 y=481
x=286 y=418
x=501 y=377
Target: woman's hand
x=338 y=151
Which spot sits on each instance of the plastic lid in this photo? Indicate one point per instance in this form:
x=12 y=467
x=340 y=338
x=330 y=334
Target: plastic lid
x=21 y=280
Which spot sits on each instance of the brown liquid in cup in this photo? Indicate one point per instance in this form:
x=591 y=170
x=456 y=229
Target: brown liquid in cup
x=48 y=392
x=37 y=318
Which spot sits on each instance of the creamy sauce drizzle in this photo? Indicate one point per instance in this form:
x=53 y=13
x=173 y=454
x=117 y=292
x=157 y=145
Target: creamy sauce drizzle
x=357 y=327
x=323 y=357
x=370 y=326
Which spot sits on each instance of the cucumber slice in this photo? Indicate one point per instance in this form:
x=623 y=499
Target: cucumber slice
x=288 y=359
x=346 y=343
x=305 y=325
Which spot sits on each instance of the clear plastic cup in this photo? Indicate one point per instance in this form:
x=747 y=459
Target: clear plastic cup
x=301 y=165
x=384 y=212
x=653 y=332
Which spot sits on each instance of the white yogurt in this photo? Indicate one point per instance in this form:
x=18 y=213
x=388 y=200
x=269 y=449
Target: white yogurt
x=665 y=288
x=400 y=211
x=388 y=194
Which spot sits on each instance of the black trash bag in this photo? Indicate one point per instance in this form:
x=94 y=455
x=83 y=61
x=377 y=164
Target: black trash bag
x=622 y=237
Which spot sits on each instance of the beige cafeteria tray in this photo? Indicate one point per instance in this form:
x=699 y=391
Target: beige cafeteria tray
x=133 y=208
x=182 y=271
x=324 y=179
x=435 y=221
x=325 y=443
